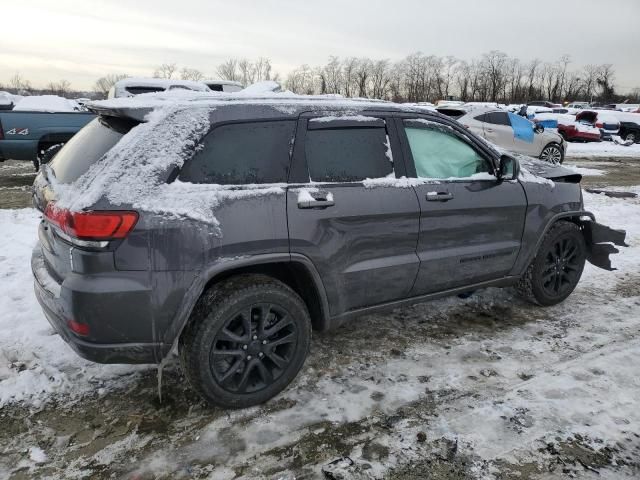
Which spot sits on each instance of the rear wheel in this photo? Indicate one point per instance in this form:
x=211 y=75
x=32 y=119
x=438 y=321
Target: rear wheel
x=246 y=341
x=557 y=267
x=552 y=153
x=631 y=137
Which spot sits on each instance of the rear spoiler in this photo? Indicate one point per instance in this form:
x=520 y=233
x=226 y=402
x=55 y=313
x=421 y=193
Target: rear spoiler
x=137 y=114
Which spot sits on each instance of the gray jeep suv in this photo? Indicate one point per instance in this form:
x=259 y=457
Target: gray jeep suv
x=232 y=227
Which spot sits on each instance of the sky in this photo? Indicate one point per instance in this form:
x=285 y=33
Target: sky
x=82 y=40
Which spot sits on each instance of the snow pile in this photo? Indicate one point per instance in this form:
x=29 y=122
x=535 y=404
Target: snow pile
x=46 y=103
x=34 y=361
x=602 y=149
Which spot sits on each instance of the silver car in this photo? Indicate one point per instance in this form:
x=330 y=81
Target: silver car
x=512 y=132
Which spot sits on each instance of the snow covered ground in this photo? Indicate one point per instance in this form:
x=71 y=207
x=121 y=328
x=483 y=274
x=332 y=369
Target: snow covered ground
x=601 y=149
x=486 y=387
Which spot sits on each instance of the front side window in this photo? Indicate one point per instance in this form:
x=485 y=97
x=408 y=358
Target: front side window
x=438 y=153
x=347 y=154
x=242 y=153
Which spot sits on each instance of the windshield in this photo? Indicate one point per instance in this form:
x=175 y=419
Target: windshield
x=88 y=146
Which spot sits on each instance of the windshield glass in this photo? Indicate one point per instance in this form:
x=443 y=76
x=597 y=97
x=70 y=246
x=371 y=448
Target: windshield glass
x=88 y=146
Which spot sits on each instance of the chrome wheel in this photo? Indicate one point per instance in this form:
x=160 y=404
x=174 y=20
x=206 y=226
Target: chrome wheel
x=551 y=154
x=630 y=137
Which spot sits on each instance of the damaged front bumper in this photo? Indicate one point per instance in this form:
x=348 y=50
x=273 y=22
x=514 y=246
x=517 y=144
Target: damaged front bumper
x=600 y=241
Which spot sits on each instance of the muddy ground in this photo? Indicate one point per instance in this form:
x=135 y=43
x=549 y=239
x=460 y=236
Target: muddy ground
x=377 y=398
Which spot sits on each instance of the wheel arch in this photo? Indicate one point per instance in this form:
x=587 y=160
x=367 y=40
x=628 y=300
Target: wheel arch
x=574 y=217
x=295 y=271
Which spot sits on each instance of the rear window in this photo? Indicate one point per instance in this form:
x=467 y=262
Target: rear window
x=242 y=153
x=497 y=118
x=88 y=146
x=347 y=154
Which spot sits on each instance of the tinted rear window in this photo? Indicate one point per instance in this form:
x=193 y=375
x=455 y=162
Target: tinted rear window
x=497 y=118
x=242 y=153
x=347 y=154
x=88 y=146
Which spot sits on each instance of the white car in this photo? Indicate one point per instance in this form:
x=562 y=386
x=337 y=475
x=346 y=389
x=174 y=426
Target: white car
x=130 y=87
x=223 y=85
x=512 y=132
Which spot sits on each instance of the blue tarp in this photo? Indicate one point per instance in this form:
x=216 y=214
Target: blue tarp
x=522 y=128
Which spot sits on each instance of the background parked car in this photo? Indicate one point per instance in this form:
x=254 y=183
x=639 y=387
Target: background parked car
x=223 y=85
x=130 y=87
x=38 y=125
x=512 y=132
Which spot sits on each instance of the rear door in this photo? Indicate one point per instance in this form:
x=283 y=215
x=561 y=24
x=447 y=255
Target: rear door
x=360 y=234
x=470 y=223
x=497 y=129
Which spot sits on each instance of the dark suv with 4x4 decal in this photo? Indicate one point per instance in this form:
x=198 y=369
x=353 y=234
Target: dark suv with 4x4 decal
x=235 y=226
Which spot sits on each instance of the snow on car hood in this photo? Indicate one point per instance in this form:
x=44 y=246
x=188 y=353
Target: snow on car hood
x=548 y=170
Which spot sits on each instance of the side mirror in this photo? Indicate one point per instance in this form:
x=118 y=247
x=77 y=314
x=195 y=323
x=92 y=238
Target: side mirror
x=538 y=128
x=509 y=168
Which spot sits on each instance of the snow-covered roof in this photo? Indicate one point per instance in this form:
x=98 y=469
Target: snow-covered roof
x=284 y=101
x=46 y=103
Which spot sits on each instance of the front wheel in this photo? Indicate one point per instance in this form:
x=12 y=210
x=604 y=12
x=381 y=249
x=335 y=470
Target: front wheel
x=631 y=137
x=557 y=267
x=552 y=153
x=246 y=341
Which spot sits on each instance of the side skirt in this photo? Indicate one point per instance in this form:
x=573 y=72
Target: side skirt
x=344 y=317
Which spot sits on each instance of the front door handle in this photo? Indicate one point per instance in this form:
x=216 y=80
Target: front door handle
x=317 y=200
x=439 y=196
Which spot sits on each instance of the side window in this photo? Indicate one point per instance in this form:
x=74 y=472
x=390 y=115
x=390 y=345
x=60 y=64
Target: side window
x=481 y=118
x=438 y=153
x=242 y=153
x=497 y=118
x=347 y=154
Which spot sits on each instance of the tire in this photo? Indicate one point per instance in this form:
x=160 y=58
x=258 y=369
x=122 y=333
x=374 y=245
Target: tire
x=631 y=137
x=261 y=361
x=552 y=153
x=557 y=267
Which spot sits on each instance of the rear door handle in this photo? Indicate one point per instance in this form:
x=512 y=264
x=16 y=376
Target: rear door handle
x=490 y=130
x=439 y=196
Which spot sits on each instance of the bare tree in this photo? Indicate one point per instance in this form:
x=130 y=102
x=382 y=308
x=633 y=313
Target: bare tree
x=18 y=82
x=166 y=70
x=104 y=84
x=191 y=74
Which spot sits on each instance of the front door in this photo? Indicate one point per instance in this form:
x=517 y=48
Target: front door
x=470 y=223
x=346 y=214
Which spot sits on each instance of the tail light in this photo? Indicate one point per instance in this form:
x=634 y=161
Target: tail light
x=599 y=124
x=78 y=328
x=98 y=225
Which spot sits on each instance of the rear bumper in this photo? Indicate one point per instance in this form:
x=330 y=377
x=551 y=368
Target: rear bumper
x=59 y=307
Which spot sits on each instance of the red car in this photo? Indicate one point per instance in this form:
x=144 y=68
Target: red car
x=582 y=129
